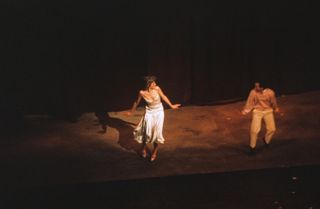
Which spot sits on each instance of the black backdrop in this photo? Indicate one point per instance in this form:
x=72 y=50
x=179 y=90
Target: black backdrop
x=76 y=56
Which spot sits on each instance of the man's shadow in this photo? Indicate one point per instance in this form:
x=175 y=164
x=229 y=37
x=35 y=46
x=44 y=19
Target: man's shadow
x=124 y=128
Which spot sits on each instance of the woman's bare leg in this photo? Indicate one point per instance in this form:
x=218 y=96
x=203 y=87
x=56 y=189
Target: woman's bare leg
x=154 y=152
x=144 y=150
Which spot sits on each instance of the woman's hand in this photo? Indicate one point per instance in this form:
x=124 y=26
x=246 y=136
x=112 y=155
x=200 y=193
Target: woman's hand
x=243 y=112
x=175 y=106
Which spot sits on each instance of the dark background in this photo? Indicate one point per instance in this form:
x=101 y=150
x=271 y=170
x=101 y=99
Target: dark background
x=69 y=57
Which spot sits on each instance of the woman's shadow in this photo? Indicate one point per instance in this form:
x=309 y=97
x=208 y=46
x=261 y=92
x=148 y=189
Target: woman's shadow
x=124 y=128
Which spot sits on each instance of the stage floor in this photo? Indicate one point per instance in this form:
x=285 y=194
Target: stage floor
x=199 y=139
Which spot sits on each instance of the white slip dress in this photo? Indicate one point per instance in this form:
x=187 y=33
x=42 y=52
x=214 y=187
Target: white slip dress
x=149 y=129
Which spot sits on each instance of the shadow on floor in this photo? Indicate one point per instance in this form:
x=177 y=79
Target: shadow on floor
x=124 y=128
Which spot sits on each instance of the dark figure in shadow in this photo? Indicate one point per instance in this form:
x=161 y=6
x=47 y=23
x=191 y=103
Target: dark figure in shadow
x=124 y=128
x=103 y=118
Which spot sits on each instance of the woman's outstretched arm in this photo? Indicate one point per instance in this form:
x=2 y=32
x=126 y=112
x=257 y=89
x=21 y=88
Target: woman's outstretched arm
x=166 y=99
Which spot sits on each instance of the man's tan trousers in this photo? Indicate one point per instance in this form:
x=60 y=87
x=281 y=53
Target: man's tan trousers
x=257 y=116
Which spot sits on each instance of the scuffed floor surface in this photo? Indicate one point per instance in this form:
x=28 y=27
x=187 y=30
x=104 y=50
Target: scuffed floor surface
x=199 y=139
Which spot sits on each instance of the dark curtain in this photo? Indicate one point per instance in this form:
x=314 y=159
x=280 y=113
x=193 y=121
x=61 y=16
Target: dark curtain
x=208 y=52
x=67 y=58
x=170 y=55
x=75 y=57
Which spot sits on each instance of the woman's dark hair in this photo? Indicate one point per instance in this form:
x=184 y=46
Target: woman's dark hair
x=149 y=80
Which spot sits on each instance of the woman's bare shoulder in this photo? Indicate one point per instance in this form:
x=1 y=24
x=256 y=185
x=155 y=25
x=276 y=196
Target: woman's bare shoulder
x=142 y=92
x=157 y=88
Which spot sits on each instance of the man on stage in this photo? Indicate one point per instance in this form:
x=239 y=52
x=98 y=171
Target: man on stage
x=262 y=101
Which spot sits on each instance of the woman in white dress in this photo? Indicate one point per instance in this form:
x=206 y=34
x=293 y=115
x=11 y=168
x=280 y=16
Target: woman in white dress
x=149 y=129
